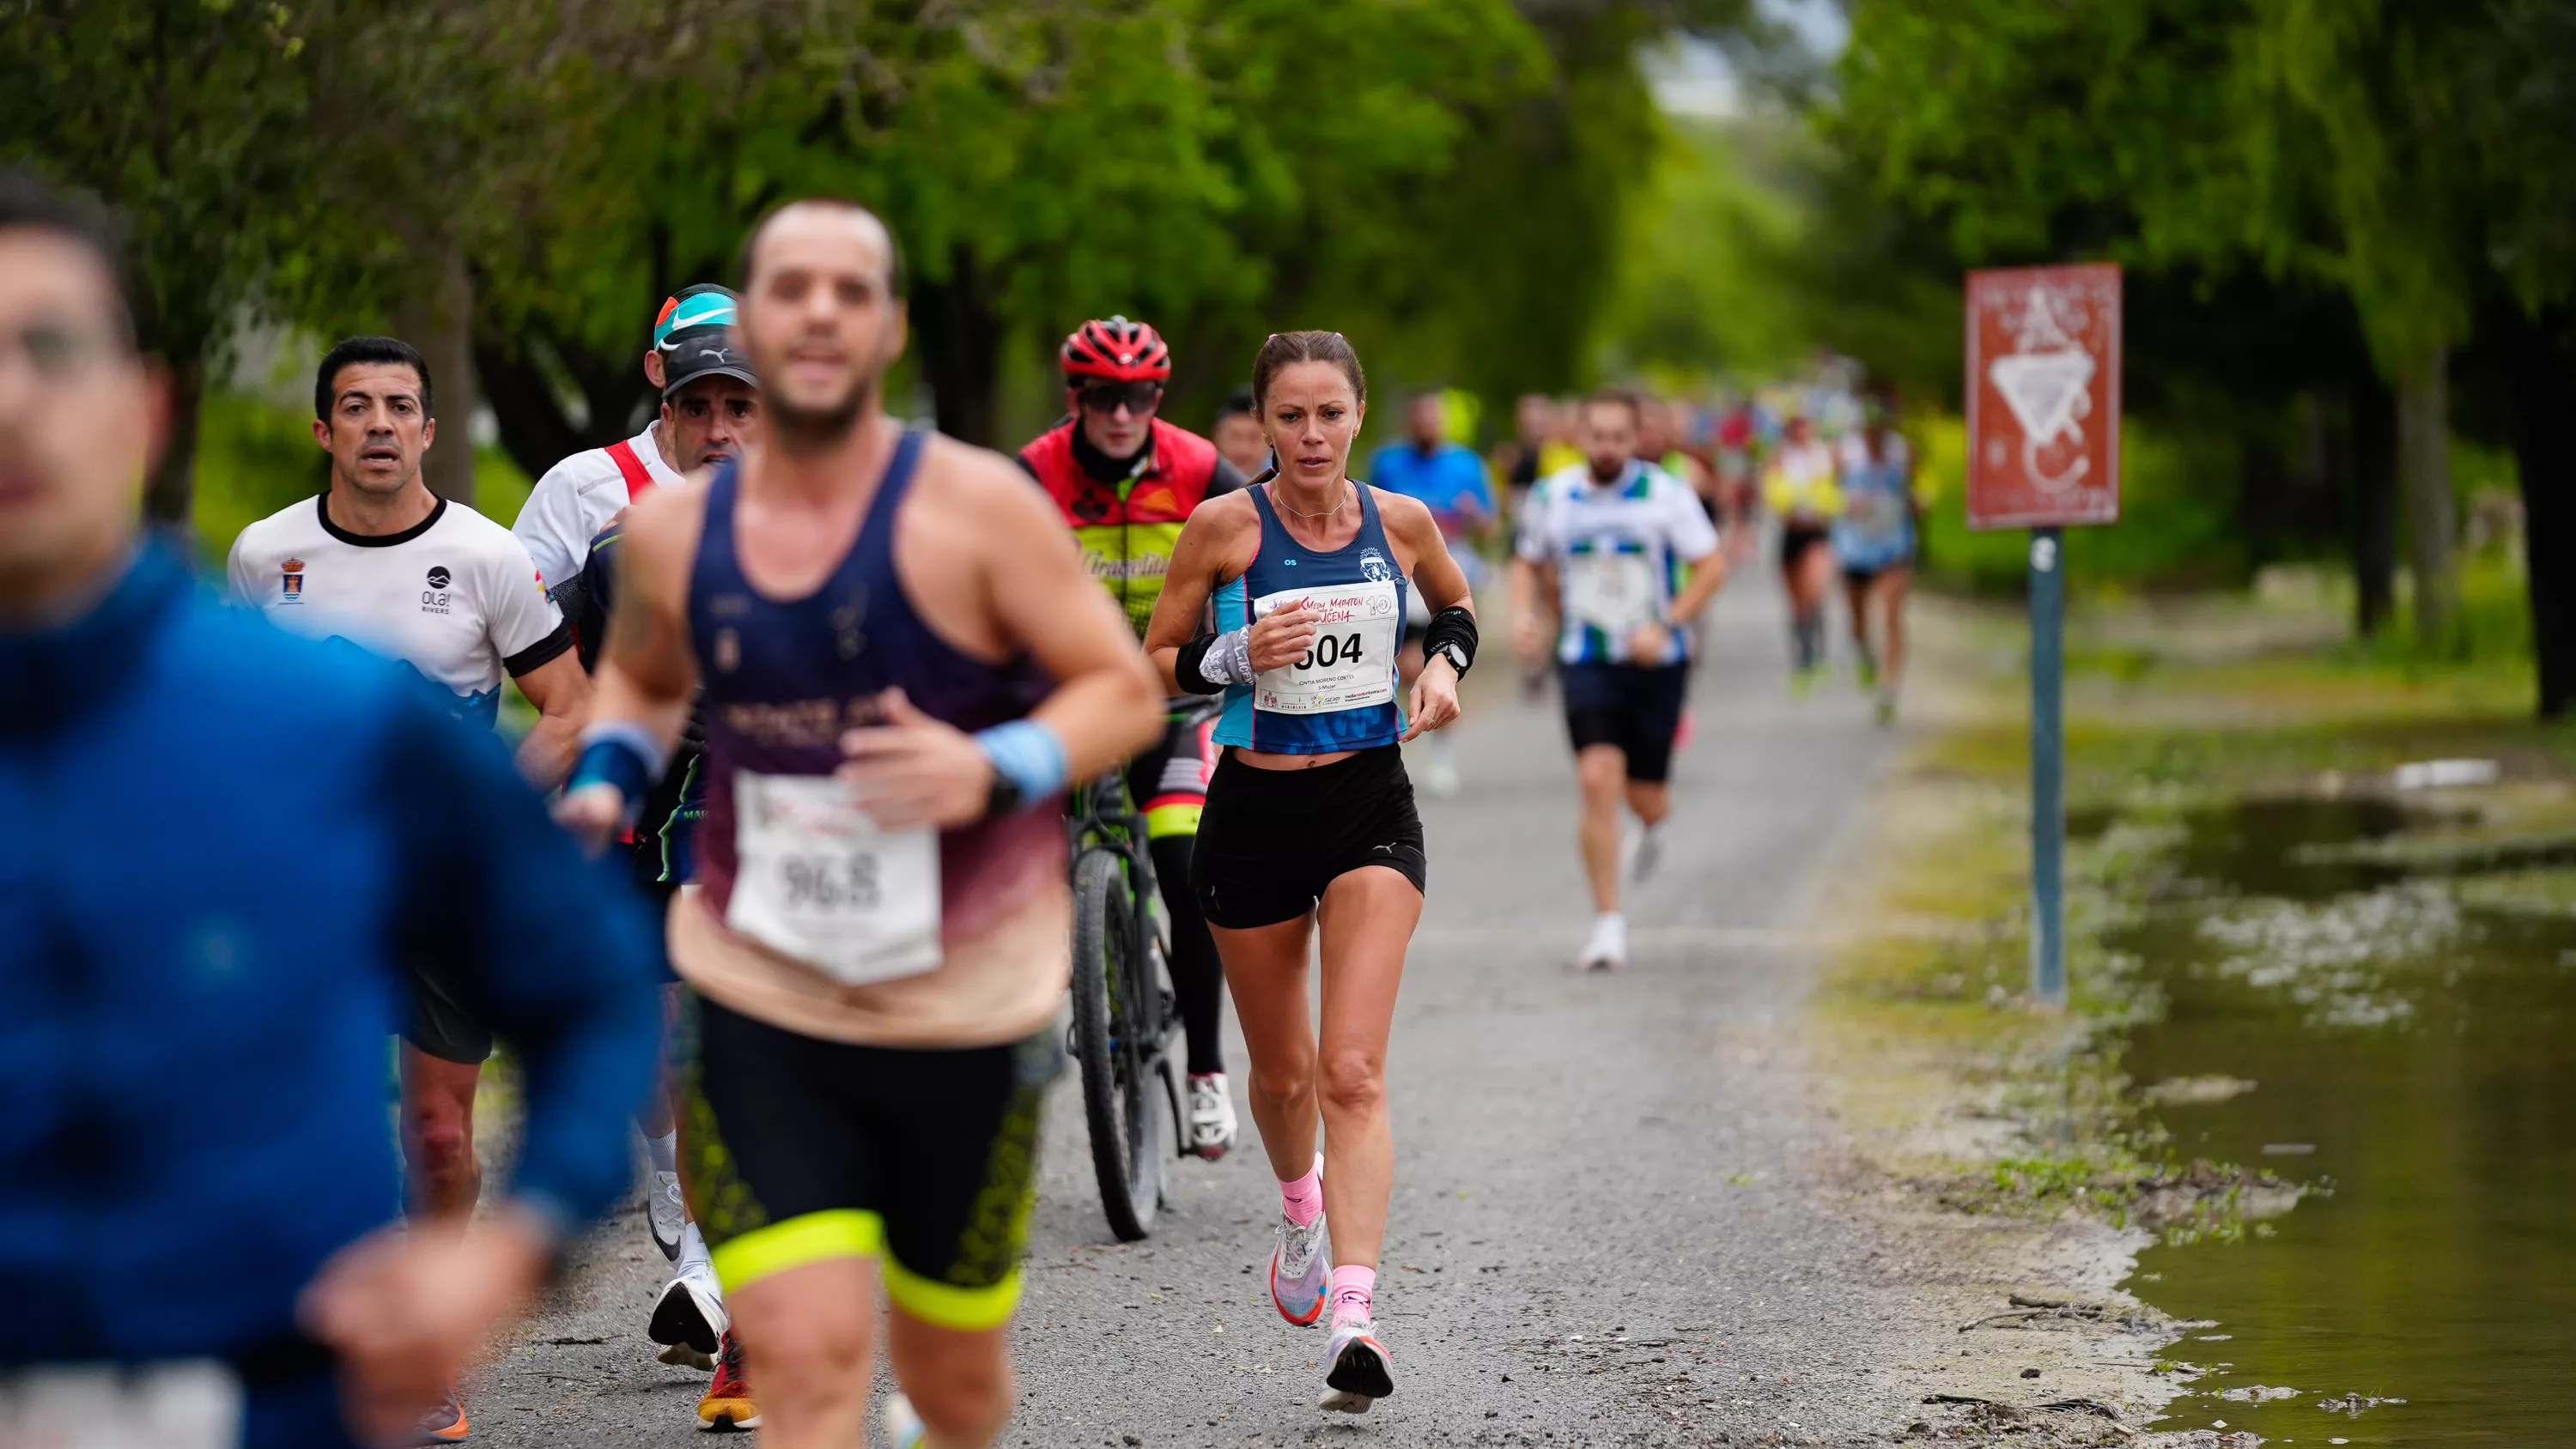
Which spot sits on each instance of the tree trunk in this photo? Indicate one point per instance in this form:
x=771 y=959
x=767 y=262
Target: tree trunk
x=2424 y=474
x=2371 y=457
x=170 y=491
x=438 y=319
x=2540 y=370
x=961 y=350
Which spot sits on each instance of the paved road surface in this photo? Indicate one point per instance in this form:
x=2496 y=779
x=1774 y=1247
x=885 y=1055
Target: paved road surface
x=1608 y=1224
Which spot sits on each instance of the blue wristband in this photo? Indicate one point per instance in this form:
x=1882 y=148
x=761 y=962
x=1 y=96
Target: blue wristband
x=619 y=755
x=1029 y=756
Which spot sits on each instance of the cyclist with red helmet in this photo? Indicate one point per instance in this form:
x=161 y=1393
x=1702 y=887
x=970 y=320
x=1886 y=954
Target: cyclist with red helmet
x=1126 y=481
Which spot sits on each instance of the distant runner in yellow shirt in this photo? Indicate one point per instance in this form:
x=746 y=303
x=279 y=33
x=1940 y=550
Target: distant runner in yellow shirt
x=1800 y=488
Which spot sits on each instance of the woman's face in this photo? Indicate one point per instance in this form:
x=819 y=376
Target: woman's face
x=1312 y=416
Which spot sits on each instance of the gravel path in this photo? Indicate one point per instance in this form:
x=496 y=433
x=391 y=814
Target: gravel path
x=1613 y=1217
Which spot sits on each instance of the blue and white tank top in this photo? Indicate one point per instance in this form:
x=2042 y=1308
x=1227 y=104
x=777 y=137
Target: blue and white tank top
x=1341 y=695
x=1875 y=530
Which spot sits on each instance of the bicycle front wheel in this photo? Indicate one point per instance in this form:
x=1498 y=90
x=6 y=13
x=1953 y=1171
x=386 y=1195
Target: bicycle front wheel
x=1110 y=971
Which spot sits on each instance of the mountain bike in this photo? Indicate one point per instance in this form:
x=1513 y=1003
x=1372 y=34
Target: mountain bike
x=1123 y=1012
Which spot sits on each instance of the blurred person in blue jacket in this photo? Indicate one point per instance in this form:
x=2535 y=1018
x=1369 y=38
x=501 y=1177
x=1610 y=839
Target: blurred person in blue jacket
x=225 y=842
x=1450 y=479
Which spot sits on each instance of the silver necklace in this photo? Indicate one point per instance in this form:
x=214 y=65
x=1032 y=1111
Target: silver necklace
x=1327 y=513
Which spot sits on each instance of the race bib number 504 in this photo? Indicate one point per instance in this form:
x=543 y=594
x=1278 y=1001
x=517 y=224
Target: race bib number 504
x=1352 y=662
x=816 y=879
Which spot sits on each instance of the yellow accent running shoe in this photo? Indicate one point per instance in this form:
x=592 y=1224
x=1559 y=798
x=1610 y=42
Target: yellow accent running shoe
x=728 y=1404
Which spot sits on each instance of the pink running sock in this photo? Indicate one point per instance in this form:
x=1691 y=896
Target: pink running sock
x=1303 y=1200
x=1352 y=1285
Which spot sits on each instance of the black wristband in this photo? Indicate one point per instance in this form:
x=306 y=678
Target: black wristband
x=1452 y=625
x=1185 y=669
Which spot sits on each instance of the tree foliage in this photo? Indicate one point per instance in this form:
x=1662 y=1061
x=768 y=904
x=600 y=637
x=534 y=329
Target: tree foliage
x=1445 y=179
x=185 y=115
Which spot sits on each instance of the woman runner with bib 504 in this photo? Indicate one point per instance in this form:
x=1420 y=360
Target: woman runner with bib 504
x=1310 y=821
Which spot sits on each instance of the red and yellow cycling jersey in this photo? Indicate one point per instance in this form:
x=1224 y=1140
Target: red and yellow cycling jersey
x=1128 y=526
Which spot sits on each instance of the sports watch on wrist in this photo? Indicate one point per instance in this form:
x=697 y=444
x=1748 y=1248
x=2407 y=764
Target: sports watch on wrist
x=1001 y=797
x=1456 y=654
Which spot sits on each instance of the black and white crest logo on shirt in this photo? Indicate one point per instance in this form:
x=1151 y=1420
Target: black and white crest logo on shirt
x=1375 y=568
x=437 y=577
x=434 y=599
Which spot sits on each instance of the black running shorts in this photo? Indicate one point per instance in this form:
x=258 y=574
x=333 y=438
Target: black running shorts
x=1796 y=539
x=801 y=1149
x=1636 y=707
x=1273 y=840
x=437 y=1019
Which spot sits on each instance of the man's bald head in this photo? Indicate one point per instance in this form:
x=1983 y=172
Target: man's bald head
x=817 y=217
x=822 y=315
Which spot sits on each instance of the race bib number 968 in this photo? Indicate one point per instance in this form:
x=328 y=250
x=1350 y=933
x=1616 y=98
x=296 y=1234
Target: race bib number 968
x=815 y=879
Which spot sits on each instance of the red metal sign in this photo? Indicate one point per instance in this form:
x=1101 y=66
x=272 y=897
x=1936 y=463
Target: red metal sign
x=2043 y=390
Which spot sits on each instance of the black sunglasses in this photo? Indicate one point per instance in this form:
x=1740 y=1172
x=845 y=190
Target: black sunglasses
x=1104 y=397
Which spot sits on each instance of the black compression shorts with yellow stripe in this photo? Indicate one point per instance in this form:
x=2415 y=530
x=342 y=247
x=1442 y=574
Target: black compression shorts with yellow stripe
x=801 y=1150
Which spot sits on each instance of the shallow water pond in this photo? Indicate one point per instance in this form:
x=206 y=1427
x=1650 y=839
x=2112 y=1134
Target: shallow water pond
x=2413 y=1046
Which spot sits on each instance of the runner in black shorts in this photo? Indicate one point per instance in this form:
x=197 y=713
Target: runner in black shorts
x=1594 y=574
x=902 y=666
x=1801 y=489
x=1310 y=843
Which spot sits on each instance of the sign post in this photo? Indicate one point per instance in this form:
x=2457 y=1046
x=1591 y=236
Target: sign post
x=2043 y=393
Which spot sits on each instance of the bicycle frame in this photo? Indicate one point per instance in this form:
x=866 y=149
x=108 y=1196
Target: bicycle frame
x=1103 y=815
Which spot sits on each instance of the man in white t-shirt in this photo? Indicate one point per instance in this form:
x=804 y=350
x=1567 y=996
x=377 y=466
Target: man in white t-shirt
x=702 y=418
x=1596 y=571
x=389 y=566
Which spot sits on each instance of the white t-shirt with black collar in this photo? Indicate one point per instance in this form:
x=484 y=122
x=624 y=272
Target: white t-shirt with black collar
x=454 y=596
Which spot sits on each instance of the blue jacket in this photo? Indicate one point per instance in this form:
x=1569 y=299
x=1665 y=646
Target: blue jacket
x=221 y=840
x=1450 y=480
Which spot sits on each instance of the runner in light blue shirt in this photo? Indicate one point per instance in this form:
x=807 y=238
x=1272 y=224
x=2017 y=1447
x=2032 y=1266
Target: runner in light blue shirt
x=1450 y=479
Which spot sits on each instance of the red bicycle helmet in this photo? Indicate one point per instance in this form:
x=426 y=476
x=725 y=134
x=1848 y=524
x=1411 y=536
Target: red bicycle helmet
x=1117 y=349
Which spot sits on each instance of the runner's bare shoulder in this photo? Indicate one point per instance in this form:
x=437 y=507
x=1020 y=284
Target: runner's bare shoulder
x=977 y=498
x=1225 y=530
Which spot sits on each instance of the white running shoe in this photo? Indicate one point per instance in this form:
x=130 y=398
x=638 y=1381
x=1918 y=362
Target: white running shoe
x=1362 y=1372
x=1608 y=948
x=1645 y=852
x=899 y=1427
x=668 y=1213
x=691 y=1312
x=1300 y=1274
x=1212 y=1125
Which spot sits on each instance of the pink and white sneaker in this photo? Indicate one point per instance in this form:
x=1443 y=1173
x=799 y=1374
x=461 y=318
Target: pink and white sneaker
x=1301 y=1275
x=1362 y=1372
